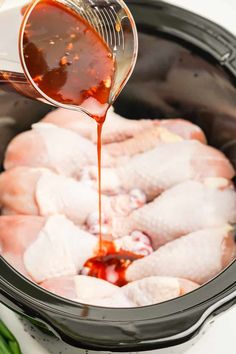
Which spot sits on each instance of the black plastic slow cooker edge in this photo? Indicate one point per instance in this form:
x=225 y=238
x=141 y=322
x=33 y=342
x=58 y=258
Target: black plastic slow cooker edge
x=147 y=328
x=189 y=27
x=156 y=326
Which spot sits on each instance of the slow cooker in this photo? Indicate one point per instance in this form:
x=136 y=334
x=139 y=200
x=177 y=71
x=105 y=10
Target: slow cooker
x=186 y=68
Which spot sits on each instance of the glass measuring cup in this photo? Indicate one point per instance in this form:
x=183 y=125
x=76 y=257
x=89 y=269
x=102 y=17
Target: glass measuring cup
x=111 y=19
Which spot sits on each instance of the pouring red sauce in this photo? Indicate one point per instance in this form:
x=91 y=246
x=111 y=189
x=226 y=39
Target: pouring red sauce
x=110 y=264
x=71 y=64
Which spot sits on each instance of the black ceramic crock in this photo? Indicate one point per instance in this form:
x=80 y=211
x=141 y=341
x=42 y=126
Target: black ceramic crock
x=186 y=68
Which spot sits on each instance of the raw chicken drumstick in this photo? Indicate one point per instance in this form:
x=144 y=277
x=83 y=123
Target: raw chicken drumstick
x=183 y=128
x=198 y=256
x=164 y=167
x=42 y=248
x=45 y=248
x=41 y=192
x=16 y=234
x=98 y=292
x=166 y=132
x=46 y=145
x=153 y=290
x=116 y=128
x=38 y=191
x=187 y=207
x=88 y=290
x=144 y=141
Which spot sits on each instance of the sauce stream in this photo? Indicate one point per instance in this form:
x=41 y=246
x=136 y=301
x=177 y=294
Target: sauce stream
x=71 y=64
x=99 y=152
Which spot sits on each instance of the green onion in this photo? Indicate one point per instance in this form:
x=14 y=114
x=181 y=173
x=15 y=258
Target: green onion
x=14 y=346
x=8 y=343
x=4 y=331
x=4 y=348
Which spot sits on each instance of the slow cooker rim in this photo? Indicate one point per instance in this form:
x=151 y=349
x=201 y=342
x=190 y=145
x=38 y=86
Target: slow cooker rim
x=11 y=273
x=199 y=32
x=53 y=304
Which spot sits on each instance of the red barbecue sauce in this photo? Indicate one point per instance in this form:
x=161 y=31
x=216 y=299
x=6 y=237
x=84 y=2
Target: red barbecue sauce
x=111 y=265
x=71 y=63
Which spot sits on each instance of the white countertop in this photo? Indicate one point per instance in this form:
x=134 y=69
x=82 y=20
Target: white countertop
x=219 y=338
